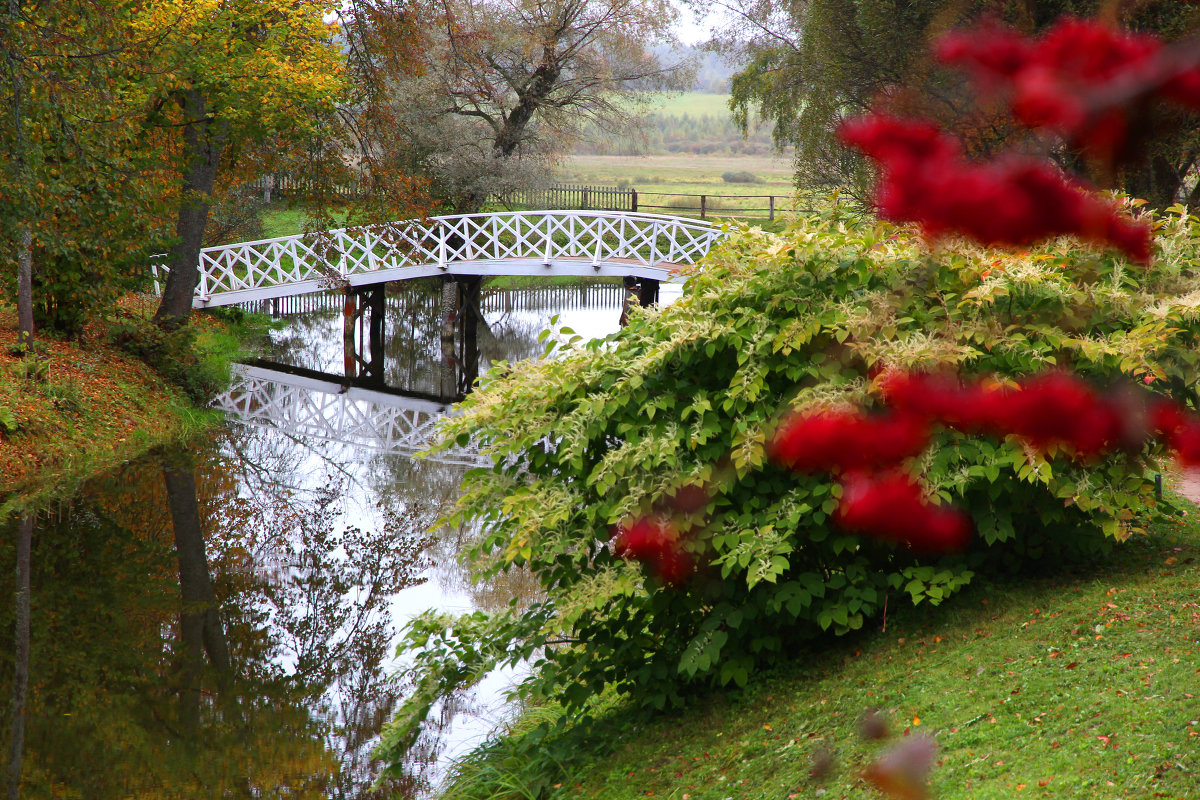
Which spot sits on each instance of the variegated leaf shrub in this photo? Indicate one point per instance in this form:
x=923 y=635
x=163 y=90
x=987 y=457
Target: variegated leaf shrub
x=670 y=419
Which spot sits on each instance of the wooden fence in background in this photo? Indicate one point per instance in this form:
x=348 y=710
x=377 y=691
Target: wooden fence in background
x=275 y=187
x=577 y=196
x=610 y=198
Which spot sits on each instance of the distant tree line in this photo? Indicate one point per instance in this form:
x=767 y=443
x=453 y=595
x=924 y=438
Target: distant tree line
x=701 y=134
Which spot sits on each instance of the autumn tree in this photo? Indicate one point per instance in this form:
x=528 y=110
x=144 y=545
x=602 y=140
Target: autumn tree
x=500 y=89
x=810 y=66
x=231 y=74
x=77 y=194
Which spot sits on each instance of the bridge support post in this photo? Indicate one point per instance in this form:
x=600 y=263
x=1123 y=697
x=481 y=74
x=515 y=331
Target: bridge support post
x=648 y=295
x=460 y=334
x=362 y=351
x=470 y=314
x=376 y=297
x=449 y=300
x=349 y=317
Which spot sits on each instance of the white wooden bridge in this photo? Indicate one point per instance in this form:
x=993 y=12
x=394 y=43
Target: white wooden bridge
x=310 y=407
x=546 y=243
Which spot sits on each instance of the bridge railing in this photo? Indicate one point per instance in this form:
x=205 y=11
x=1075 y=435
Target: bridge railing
x=332 y=256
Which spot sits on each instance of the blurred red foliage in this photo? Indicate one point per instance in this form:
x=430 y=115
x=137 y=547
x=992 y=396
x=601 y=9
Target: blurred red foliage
x=1082 y=79
x=847 y=440
x=1054 y=409
x=656 y=543
x=1013 y=200
x=891 y=506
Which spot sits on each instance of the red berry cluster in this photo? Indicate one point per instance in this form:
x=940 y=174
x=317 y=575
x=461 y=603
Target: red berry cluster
x=892 y=506
x=925 y=177
x=658 y=544
x=1053 y=410
x=1082 y=79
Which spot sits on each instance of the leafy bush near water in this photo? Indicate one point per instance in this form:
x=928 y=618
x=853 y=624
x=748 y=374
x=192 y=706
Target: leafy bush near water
x=688 y=396
x=172 y=354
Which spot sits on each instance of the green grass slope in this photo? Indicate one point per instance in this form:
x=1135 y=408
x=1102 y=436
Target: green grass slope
x=1081 y=684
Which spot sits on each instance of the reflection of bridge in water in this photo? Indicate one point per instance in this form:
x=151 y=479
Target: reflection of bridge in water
x=307 y=403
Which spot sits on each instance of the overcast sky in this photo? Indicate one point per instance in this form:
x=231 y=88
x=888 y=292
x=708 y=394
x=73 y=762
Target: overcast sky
x=690 y=30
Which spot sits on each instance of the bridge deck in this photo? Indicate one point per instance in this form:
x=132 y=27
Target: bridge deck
x=570 y=267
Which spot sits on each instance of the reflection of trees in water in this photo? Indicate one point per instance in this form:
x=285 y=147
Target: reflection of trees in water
x=431 y=488
x=330 y=583
x=249 y=663
x=113 y=700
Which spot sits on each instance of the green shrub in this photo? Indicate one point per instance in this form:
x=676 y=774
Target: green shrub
x=65 y=395
x=688 y=396
x=172 y=354
x=9 y=424
x=742 y=176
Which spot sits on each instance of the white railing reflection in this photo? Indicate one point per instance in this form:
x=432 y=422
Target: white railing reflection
x=303 y=406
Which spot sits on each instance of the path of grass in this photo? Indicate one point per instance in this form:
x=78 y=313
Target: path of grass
x=1080 y=685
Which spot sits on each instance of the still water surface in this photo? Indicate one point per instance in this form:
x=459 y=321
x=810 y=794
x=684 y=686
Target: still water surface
x=219 y=619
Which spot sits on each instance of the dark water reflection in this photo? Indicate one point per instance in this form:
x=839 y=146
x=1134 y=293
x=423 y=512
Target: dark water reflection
x=218 y=620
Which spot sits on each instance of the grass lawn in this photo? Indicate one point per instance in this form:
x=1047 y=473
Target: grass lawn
x=695 y=104
x=1080 y=684
x=682 y=172
x=665 y=180
x=283 y=221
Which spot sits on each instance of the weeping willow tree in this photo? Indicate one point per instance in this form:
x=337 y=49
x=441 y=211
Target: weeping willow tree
x=809 y=64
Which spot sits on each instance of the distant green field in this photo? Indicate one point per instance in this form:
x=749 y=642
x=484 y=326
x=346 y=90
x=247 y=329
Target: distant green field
x=692 y=103
x=675 y=180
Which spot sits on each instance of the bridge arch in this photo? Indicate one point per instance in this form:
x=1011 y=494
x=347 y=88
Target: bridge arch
x=539 y=243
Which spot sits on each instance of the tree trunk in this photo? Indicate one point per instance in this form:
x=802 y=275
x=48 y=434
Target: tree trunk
x=1155 y=180
x=200 y=625
x=25 y=288
x=203 y=141
x=21 y=650
x=512 y=131
x=20 y=163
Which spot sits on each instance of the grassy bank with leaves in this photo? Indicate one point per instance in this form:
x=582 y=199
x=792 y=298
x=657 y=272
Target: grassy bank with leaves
x=1079 y=684
x=78 y=407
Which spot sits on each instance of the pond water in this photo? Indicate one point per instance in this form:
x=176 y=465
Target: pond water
x=219 y=619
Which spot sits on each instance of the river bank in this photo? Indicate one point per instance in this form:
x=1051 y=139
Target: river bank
x=84 y=406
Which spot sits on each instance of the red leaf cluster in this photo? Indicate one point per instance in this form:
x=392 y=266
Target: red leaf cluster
x=891 y=506
x=657 y=544
x=1082 y=79
x=1179 y=430
x=877 y=500
x=1052 y=409
x=1055 y=409
x=846 y=440
x=1058 y=408
x=974 y=408
x=924 y=177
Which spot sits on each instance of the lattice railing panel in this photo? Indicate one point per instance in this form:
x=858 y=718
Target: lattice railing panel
x=546 y=236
